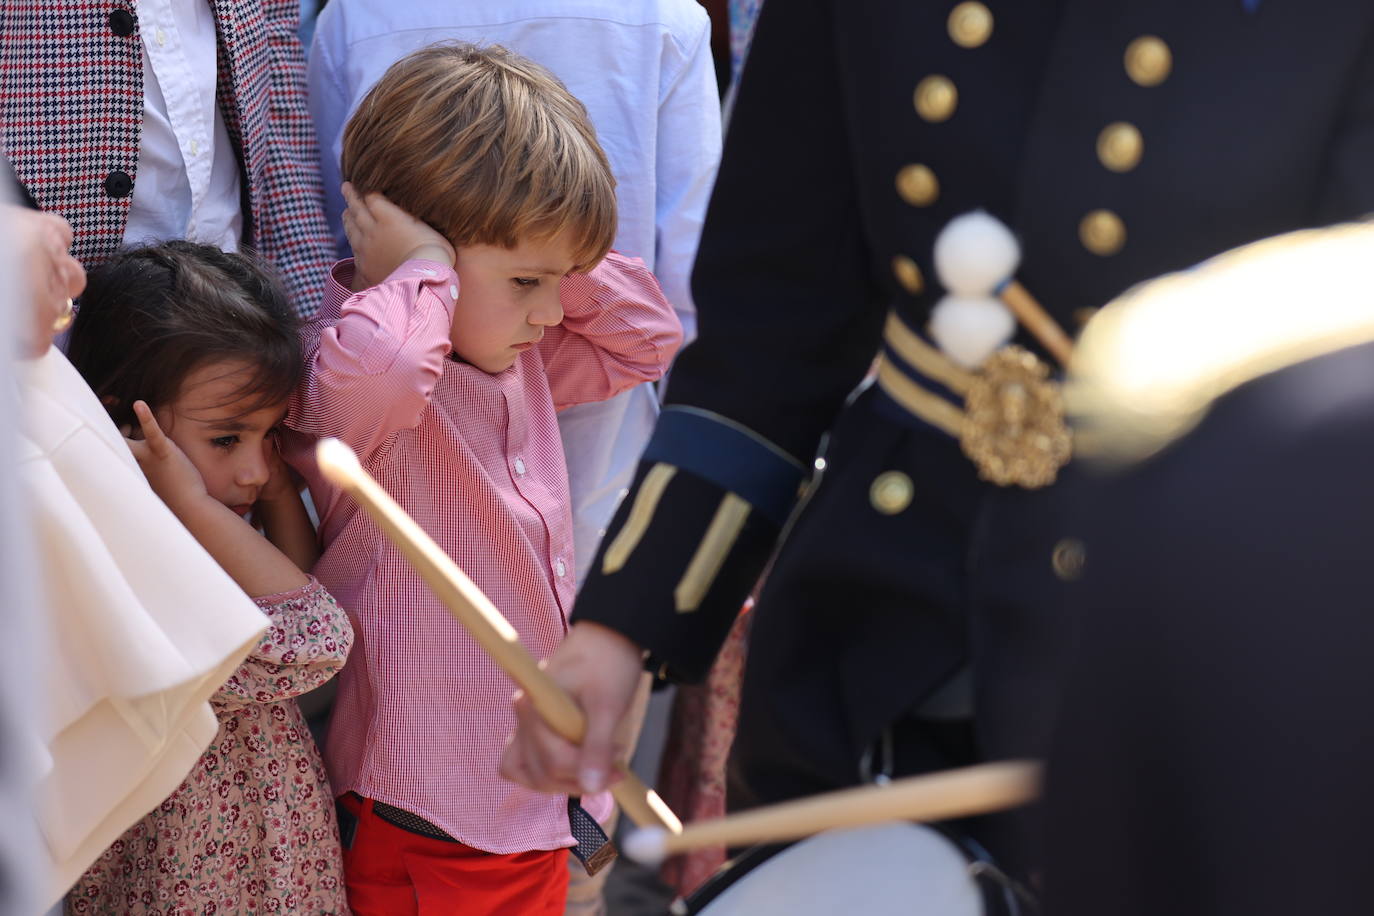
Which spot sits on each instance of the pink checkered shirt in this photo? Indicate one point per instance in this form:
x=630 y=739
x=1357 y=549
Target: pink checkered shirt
x=422 y=714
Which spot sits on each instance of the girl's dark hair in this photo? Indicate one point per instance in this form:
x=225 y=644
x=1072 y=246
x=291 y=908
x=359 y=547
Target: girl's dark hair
x=152 y=315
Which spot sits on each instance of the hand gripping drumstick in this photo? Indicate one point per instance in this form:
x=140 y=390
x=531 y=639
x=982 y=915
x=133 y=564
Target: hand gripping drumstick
x=484 y=622
x=953 y=793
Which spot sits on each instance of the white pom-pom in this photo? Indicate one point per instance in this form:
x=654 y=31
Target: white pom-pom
x=647 y=846
x=974 y=254
x=969 y=330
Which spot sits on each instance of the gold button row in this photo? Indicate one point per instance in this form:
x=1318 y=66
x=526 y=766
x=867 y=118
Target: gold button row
x=1148 y=61
x=935 y=99
x=970 y=24
x=1102 y=232
x=1120 y=146
x=917 y=185
x=908 y=274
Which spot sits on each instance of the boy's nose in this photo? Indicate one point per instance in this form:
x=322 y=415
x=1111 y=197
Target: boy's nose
x=547 y=313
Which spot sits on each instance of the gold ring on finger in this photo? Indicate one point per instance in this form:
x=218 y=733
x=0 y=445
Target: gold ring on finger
x=64 y=320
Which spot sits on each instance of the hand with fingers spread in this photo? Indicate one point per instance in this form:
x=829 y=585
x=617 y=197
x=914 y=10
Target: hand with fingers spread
x=600 y=669
x=55 y=277
x=170 y=473
x=383 y=237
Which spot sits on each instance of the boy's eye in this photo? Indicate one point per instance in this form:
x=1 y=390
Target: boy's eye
x=224 y=441
x=525 y=282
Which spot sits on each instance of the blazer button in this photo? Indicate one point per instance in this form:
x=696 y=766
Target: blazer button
x=891 y=492
x=118 y=184
x=122 y=23
x=1068 y=559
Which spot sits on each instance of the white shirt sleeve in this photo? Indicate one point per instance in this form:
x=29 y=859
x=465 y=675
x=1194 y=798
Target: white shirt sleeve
x=331 y=104
x=689 y=140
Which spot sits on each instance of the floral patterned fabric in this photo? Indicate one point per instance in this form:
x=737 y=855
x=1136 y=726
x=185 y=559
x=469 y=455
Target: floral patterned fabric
x=691 y=778
x=252 y=830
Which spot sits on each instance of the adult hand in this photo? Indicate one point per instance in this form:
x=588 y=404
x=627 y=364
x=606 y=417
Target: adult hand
x=600 y=669
x=54 y=276
x=170 y=473
x=383 y=237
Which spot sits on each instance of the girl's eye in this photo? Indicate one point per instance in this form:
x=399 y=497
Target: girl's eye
x=525 y=282
x=224 y=441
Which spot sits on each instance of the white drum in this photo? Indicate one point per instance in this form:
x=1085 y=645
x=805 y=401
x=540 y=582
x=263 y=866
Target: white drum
x=885 y=870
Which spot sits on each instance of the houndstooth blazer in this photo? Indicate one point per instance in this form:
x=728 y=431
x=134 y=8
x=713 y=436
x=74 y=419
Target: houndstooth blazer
x=71 y=109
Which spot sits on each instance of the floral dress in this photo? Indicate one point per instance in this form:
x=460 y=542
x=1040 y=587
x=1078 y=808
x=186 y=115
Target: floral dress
x=252 y=829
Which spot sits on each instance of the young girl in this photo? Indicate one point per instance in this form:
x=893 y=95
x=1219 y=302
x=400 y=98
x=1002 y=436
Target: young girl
x=194 y=353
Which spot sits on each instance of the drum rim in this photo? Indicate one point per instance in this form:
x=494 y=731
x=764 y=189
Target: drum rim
x=997 y=899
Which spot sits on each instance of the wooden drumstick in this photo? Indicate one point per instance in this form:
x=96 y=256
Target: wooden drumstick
x=938 y=796
x=1035 y=319
x=466 y=602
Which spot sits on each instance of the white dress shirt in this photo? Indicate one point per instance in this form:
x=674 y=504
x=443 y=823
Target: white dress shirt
x=187 y=184
x=644 y=70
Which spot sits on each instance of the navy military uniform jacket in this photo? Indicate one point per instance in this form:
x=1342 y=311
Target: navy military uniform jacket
x=1120 y=140
x=1214 y=749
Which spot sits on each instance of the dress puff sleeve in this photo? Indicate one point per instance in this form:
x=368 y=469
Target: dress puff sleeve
x=306 y=643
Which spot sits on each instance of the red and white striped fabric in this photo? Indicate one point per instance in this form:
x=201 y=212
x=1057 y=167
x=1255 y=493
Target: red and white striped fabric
x=422 y=714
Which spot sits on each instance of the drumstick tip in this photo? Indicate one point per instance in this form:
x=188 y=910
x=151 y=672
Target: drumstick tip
x=647 y=845
x=336 y=460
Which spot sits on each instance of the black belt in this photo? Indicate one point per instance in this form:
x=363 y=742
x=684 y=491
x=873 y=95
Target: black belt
x=399 y=817
x=593 y=848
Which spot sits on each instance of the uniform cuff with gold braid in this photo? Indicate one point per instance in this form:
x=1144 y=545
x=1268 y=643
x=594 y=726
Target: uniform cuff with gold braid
x=727 y=453
x=683 y=551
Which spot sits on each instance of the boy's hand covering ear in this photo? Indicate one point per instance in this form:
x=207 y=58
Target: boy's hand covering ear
x=383 y=237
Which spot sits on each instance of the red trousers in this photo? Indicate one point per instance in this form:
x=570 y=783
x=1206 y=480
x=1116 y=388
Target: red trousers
x=393 y=872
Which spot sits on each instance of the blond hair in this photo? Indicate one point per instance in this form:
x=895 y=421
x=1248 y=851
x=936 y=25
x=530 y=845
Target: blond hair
x=487 y=147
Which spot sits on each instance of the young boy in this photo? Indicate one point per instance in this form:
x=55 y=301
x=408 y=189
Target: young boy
x=480 y=301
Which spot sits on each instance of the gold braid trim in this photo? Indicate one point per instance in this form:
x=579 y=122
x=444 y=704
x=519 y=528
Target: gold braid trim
x=641 y=516
x=711 y=553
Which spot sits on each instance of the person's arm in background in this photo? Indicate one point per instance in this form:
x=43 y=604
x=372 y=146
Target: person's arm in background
x=55 y=277
x=790 y=318
x=330 y=107
x=687 y=154
x=289 y=223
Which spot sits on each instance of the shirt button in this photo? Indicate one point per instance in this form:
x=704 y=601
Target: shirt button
x=560 y=567
x=195 y=147
x=121 y=23
x=453 y=291
x=118 y=184
x=520 y=466
x=161 y=37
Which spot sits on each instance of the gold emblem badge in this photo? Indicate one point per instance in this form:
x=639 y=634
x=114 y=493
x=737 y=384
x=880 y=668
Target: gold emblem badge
x=1013 y=425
